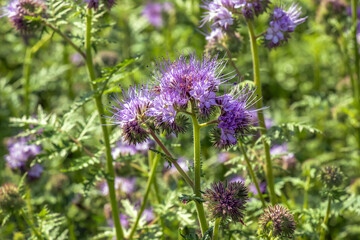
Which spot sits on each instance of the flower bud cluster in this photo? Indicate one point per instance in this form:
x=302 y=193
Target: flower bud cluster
x=277 y=221
x=10 y=198
x=332 y=177
x=186 y=86
x=18 y=12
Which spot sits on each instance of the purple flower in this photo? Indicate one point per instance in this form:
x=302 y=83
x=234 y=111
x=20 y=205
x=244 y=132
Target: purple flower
x=18 y=10
x=216 y=36
x=182 y=163
x=218 y=14
x=235 y=117
x=148 y=214
x=35 y=171
x=223 y=157
x=124 y=220
x=20 y=152
x=282 y=24
x=251 y=8
x=227 y=200
x=130 y=114
x=153 y=12
x=94 y=4
x=126 y=185
x=184 y=79
x=110 y=3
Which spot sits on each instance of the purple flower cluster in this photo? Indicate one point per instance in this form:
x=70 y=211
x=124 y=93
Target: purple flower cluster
x=187 y=85
x=21 y=154
x=227 y=200
x=122 y=149
x=18 y=10
x=153 y=12
x=282 y=24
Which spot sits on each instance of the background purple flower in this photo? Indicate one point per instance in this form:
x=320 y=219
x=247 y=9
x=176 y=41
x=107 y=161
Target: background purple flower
x=153 y=12
x=35 y=171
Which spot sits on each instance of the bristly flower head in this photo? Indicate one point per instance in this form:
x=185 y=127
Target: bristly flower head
x=278 y=220
x=251 y=8
x=10 y=198
x=217 y=13
x=282 y=24
x=227 y=200
x=18 y=10
x=130 y=114
x=332 y=177
x=235 y=117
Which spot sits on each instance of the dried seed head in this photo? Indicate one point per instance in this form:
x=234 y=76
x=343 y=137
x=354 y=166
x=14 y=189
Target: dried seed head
x=10 y=198
x=278 y=220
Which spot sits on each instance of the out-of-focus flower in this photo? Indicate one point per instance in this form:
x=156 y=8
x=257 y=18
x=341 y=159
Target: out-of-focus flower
x=126 y=185
x=227 y=200
x=20 y=152
x=251 y=8
x=123 y=149
x=94 y=4
x=332 y=176
x=278 y=220
x=153 y=12
x=18 y=12
x=10 y=198
x=77 y=59
x=35 y=171
x=148 y=214
x=182 y=163
x=281 y=151
x=282 y=24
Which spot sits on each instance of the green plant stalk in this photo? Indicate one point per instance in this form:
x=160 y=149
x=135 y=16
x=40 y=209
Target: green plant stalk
x=216 y=229
x=31 y=225
x=252 y=174
x=109 y=160
x=27 y=67
x=171 y=159
x=356 y=49
x=260 y=114
x=197 y=171
x=326 y=219
x=146 y=195
x=306 y=192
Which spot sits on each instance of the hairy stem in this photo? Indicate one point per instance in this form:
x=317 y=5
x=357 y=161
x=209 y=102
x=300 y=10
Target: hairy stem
x=197 y=171
x=260 y=114
x=171 y=159
x=326 y=219
x=146 y=195
x=216 y=229
x=27 y=67
x=252 y=174
x=109 y=160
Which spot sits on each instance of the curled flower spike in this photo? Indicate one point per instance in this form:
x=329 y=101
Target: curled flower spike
x=235 y=117
x=18 y=10
x=278 y=220
x=332 y=177
x=227 y=200
x=130 y=114
x=10 y=198
x=282 y=24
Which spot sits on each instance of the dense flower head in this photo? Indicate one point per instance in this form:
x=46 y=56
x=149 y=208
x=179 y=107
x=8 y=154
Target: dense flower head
x=278 y=220
x=20 y=152
x=188 y=79
x=282 y=24
x=18 y=10
x=332 y=176
x=235 y=117
x=10 y=198
x=153 y=12
x=227 y=200
x=130 y=113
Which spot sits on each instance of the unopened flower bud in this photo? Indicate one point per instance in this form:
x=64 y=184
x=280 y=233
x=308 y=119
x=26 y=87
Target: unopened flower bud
x=10 y=198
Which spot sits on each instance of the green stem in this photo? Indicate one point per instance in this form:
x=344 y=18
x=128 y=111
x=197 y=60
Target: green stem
x=252 y=174
x=326 y=219
x=27 y=67
x=100 y=109
x=356 y=49
x=197 y=171
x=171 y=159
x=306 y=193
x=31 y=225
x=260 y=114
x=146 y=195
x=216 y=229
